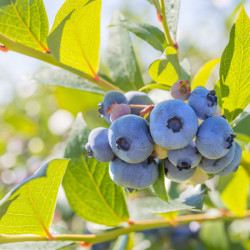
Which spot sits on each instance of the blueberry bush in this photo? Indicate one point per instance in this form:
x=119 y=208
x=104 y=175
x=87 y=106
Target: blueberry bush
x=156 y=153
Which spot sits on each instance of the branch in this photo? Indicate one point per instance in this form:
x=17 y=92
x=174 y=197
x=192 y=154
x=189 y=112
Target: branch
x=165 y=25
x=112 y=234
x=48 y=58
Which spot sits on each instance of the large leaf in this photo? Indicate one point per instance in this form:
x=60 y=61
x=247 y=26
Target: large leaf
x=28 y=208
x=149 y=33
x=25 y=21
x=89 y=189
x=192 y=198
x=172 y=14
x=235 y=68
x=120 y=56
x=60 y=77
x=166 y=69
x=203 y=74
x=235 y=194
x=75 y=37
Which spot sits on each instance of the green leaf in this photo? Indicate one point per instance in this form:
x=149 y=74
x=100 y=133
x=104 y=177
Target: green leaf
x=25 y=21
x=192 y=198
x=214 y=236
x=235 y=194
x=242 y=126
x=149 y=33
x=166 y=70
x=124 y=242
x=60 y=77
x=120 y=56
x=28 y=208
x=75 y=37
x=172 y=13
x=203 y=74
x=88 y=187
x=186 y=69
x=235 y=68
x=218 y=93
x=159 y=186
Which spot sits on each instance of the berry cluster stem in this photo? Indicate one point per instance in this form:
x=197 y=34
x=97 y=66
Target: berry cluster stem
x=112 y=234
x=165 y=25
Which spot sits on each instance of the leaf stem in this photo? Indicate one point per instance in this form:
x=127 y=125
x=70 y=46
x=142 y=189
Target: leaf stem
x=165 y=25
x=112 y=234
x=48 y=58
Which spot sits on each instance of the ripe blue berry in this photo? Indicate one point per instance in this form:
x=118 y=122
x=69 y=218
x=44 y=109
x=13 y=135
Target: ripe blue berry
x=98 y=145
x=173 y=124
x=214 y=138
x=130 y=139
x=233 y=165
x=214 y=166
x=203 y=102
x=138 y=176
x=187 y=157
x=175 y=174
x=138 y=98
x=109 y=99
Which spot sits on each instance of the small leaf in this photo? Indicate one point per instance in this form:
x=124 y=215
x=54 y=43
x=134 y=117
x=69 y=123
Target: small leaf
x=166 y=70
x=88 y=187
x=192 y=198
x=121 y=58
x=214 y=236
x=28 y=208
x=25 y=22
x=186 y=69
x=60 y=77
x=235 y=194
x=235 y=68
x=151 y=34
x=124 y=242
x=203 y=74
x=159 y=186
x=172 y=13
x=75 y=37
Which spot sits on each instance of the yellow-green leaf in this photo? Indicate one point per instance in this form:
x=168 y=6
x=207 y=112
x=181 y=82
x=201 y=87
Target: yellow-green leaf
x=75 y=37
x=235 y=69
x=25 y=21
x=203 y=74
x=166 y=69
x=29 y=208
x=235 y=194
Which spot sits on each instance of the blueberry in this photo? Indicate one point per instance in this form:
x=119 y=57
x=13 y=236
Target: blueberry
x=109 y=99
x=98 y=145
x=187 y=157
x=173 y=124
x=138 y=176
x=130 y=138
x=175 y=174
x=233 y=165
x=138 y=98
x=214 y=138
x=180 y=90
x=203 y=102
x=214 y=166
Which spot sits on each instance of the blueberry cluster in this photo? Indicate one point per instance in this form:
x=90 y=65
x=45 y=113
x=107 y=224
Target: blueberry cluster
x=143 y=134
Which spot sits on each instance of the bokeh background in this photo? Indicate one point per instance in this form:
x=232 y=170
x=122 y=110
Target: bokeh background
x=35 y=119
